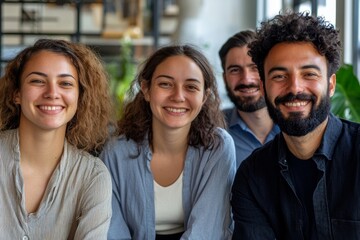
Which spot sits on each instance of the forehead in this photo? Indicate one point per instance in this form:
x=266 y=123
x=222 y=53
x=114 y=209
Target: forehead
x=49 y=62
x=293 y=55
x=237 y=52
x=178 y=65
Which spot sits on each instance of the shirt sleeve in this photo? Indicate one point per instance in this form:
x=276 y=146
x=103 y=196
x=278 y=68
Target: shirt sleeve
x=95 y=205
x=250 y=221
x=118 y=227
x=210 y=216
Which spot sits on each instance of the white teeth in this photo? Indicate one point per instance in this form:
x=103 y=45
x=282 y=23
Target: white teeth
x=295 y=104
x=247 y=90
x=176 y=110
x=50 y=108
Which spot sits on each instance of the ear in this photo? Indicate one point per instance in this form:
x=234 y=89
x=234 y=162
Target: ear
x=206 y=95
x=332 y=84
x=16 y=97
x=145 y=90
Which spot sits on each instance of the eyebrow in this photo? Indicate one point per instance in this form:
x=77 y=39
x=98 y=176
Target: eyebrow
x=170 y=77
x=45 y=75
x=239 y=66
x=232 y=66
x=311 y=66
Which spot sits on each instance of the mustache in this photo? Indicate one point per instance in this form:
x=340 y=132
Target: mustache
x=292 y=97
x=244 y=86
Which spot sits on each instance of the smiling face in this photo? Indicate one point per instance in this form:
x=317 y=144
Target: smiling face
x=242 y=80
x=297 y=87
x=49 y=92
x=176 y=93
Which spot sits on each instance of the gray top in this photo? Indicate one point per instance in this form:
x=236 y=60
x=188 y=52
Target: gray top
x=76 y=203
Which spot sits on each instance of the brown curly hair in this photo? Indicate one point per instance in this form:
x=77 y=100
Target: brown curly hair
x=89 y=128
x=137 y=117
x=297 y=27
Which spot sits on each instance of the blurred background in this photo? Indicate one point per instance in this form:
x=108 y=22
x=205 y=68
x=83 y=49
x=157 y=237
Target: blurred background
x=125 y=32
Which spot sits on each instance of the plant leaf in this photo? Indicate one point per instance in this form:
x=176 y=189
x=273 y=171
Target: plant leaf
x=346 y=101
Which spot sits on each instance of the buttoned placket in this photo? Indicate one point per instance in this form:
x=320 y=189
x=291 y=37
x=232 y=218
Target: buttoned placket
x=320 y=202
x=286 y=175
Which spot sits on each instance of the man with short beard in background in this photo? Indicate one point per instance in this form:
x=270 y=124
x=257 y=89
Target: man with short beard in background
x=248 y=121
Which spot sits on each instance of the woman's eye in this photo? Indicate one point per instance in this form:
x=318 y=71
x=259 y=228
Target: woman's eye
x=36 y=81
x=193 y=88
x=164 y=84
x=67 y=84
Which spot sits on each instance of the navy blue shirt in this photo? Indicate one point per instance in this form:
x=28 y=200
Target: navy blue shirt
x=265 y=202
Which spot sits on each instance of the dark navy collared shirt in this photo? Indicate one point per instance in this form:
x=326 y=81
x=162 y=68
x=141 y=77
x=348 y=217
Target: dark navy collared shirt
x=266 y=206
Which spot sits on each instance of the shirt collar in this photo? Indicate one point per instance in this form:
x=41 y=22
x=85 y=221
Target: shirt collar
x=331 y=136
x=328 y=142
x=235 y=119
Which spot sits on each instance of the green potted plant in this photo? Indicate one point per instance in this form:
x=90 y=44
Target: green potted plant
x=121 y=74
x=346 y=101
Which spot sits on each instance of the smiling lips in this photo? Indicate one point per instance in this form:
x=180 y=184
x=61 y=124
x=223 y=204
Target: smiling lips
x=176 y=110
x=248 y=90
x=296 y=104
x=50 y=108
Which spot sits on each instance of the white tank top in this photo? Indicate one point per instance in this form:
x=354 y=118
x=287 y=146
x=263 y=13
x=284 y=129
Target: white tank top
x=169 y=213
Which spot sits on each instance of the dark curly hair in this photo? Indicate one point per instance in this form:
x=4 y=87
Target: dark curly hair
x=239 y=39
x=89 y=128
x=297 y=27
x=136 y=119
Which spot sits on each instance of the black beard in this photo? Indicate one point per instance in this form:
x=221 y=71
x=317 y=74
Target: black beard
x=247 y=104
x=296 y=125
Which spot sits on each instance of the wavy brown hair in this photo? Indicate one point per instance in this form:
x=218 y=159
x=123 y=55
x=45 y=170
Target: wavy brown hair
x=297 y=27
x=89 y=128
x=137 y=117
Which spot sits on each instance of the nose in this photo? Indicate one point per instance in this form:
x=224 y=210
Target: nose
x=295 y=84
x=178 y=95
x=52 y=91
x=248 y=75
x=245 y=75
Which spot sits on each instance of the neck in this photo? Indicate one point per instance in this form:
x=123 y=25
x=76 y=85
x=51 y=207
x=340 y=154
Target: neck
x=172 y=142
x=41 y=149
x=304 y=147
x=259 y=122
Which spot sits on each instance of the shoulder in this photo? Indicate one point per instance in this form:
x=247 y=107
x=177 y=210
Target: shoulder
x=224 y=137
x=265 y=157
x=120 y=144
x=350 y=126
x=119 y=147
x=85 y=164
x=228 y=112
x=223 y=149
x=120 y=151
x=8 y=136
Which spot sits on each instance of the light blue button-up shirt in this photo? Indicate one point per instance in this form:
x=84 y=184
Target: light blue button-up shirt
x=244 y=139
x=207 y=180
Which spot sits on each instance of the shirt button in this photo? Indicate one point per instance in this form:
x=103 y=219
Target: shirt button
x=25 y=238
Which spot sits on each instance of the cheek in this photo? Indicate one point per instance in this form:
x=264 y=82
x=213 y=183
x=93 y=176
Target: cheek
x=73 y=99
x=232 y=81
